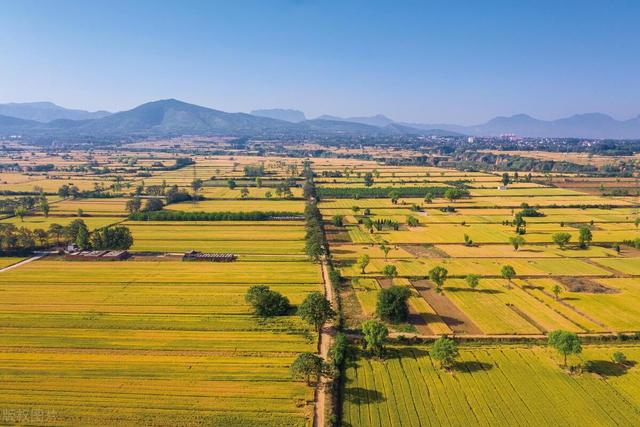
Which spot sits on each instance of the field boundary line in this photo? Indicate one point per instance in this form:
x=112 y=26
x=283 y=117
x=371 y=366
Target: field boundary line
x=20 y=263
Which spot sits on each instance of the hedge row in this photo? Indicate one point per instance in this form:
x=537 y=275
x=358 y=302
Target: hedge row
x=213 y=216
x=379 y=192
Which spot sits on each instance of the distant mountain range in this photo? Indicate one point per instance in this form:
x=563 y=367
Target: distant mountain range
x=592 y=125
x=46 y=112
x=170 y=117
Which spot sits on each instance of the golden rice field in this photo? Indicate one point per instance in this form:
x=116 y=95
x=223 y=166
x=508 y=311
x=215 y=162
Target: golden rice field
x=239 y=206
x=7 y=261
x=153 y=342
x=260 y=237
x=40 y=221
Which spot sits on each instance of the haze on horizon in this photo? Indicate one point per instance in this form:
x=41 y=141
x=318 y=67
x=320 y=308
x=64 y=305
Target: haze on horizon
x=430 y=62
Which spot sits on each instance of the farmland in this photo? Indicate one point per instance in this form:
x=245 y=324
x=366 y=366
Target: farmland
x=160 y=340
x=156 y=340
x=509 y=385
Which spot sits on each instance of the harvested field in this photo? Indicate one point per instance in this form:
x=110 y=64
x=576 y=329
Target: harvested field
x=450 y=314
x=586 y=285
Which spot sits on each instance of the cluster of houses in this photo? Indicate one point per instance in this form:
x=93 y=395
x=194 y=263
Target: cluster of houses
x=97 y=255
x=72 y=253
x=212 y=257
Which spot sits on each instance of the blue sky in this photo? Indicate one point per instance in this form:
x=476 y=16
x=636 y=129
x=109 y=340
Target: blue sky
x=423 y=61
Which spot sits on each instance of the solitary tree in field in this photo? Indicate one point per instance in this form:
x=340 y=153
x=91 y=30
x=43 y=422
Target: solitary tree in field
x=445 y=351
x=384 y=248
x=508 y=272
x=561 y=239
x=316 y=310
x=556 y=289
x=363 y=262
x=637 y=222
x=438 y=275
x=367 y=224
x=394 y=196
x=368 y=179
x=44 y=205
x=390 y=271
x=196 y=185
x=505 y=179
x=392 y=304
x=266 y=302
x=619 y=358
x=585 y=237
x=338 y=220
x=307 y=365
x=517 y=242
x=20 y=212
x=473 y=280
x=244 y=192
x=566 y=343
x=374 y=334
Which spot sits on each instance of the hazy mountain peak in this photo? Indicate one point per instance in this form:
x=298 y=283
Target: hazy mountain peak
x=288 y=115
x=45 y=111
x=378 y=120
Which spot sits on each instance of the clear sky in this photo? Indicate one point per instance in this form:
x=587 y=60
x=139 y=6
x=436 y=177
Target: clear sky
x=424 y=61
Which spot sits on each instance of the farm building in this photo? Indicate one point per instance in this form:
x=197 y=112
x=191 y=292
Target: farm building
x=211 y=257
x=98 y=255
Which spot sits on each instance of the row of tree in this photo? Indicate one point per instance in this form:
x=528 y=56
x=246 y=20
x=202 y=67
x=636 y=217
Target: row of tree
x=15 y=239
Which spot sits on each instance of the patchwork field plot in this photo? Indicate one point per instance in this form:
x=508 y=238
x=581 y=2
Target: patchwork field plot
x=490 y=386
x=164 y=342
x=240 y=206
x=235 y=237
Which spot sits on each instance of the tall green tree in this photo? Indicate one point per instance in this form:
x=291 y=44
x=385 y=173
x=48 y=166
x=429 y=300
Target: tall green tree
x=508 y=272
x=561 y=239
x=585 y=237
x=566 y=343
x=445 y=350
x=473 y=280
x=374 y=334
x=392 y=304
x=307 y=366
x=390 y=271
x=316 y=310
x=438 y=275
x=363 y=262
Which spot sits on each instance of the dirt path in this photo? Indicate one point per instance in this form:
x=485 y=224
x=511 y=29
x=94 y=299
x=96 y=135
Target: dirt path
x=324 y=344
x=18 y=264
x=455 y=318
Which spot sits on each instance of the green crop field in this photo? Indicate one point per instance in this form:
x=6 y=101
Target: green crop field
x=506 y=385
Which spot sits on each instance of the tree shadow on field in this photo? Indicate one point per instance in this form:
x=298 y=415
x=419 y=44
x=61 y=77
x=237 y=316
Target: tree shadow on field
x=472 y=366
x=607 y=368
x=360 y=395
x=407 y=352
x=451 y=321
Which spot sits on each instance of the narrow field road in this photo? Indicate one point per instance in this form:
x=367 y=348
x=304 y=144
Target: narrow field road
x=324 y=344
x=18 y=264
